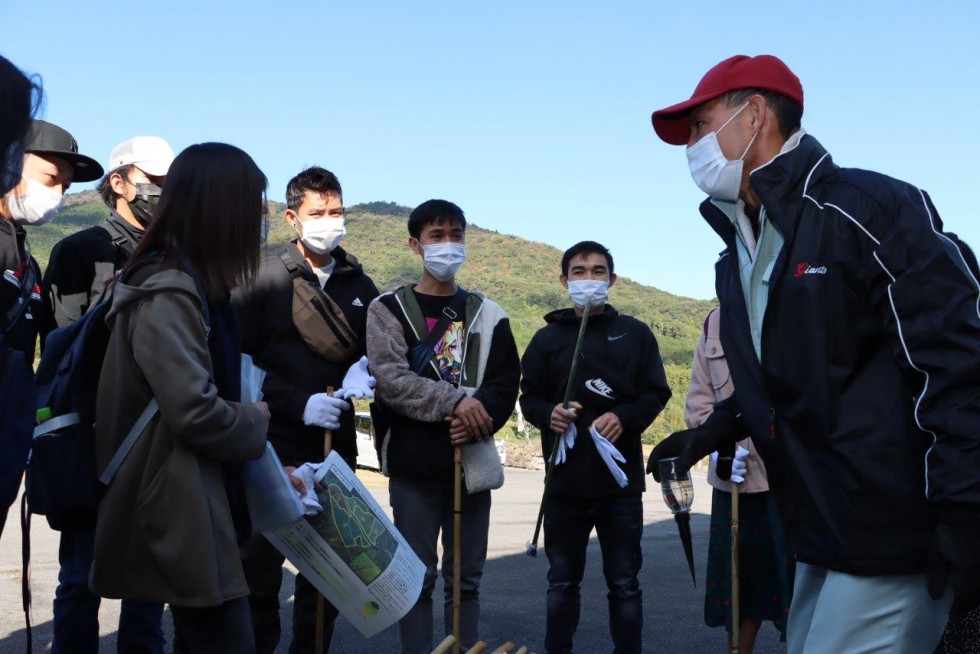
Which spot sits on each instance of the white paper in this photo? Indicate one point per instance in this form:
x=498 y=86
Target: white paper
x=252 y=379
x=352 y=553
x=272 y=500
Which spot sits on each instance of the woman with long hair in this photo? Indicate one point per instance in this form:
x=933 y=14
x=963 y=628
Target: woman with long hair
x=170 y=521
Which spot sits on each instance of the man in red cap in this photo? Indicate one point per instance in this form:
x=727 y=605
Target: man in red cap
x=853 y=338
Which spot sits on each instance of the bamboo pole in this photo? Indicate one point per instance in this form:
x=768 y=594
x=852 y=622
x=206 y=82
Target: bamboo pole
x=736 y=619
x=320 y=601
x=457 y=539
x=444 y=647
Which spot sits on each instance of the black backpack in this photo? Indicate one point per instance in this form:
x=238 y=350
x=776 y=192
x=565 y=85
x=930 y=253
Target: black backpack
x=62 y=481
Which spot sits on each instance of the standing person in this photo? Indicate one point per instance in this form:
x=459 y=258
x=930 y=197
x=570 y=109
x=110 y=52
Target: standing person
x=169 y=524
x=619 y=389
x=302 y=355
x=81 y=264
x=458 y=390
x=851 y=331
x=50 y=163
x=78 y=270
x=765 y=563
x=19 y=98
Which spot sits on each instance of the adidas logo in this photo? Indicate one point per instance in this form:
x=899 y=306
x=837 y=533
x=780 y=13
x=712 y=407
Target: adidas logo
x=599 y=387
x=357 y=302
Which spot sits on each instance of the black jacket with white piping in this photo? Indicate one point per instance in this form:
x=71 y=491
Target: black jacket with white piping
x=620 y=371
x=866 y=403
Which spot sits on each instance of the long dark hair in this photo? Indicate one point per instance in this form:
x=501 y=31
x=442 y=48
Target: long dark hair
x=20 y=98
x=210 y=213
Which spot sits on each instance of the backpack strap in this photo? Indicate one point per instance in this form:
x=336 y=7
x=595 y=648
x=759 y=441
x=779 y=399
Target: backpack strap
x=422 y=350
x=127 y=445
x=27 y=283
x=291 y=266
x=449 y=313
x=119 y=237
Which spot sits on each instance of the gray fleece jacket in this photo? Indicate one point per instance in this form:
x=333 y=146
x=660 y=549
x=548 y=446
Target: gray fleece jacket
x=417 y=443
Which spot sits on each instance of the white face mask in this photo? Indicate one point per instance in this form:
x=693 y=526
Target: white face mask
x=580 y=290
x=38 y=204
x=443 y=260
x=712 y=172
x=321 y=235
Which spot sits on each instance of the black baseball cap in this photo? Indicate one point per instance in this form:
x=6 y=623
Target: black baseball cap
x=46 y=138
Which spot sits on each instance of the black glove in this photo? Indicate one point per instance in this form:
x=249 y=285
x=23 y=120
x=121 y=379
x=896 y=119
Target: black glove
x=955 y=557
x=726 y=456
x=692 y=445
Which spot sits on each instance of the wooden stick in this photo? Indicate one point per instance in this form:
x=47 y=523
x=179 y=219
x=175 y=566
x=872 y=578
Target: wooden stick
x=444 y=647
x=320 y=601
x=479 y=648
x=457 y=539
x=328 y=433
x=735 y=594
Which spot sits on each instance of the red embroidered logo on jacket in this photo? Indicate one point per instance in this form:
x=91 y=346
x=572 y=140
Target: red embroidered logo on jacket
x=806 y=269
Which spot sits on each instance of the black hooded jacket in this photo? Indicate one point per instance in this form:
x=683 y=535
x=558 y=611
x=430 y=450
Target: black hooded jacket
x=294 y=373
x=866 y=403
x=79 y=267
x=20 y=300
x=620 y=371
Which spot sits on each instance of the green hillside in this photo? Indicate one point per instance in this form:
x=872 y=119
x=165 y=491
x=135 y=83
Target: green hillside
x=521 y=275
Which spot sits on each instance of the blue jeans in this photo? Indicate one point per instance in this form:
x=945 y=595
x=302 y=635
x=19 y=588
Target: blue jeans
x=618 y=522
x=76 y=609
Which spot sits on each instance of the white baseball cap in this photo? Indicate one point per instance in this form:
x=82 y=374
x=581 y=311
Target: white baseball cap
x=151 y=154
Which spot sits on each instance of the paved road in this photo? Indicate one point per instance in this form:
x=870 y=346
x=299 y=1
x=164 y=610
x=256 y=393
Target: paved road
x=513 y=590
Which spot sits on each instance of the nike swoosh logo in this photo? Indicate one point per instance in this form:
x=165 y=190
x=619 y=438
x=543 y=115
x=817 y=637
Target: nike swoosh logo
x=616 y=338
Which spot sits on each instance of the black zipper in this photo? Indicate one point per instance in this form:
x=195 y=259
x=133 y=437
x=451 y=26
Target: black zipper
x=327 y=318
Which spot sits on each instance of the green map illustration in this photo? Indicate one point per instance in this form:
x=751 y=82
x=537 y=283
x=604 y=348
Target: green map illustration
x=351 y=528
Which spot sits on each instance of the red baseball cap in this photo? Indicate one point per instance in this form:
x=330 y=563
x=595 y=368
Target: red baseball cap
x=739 y=72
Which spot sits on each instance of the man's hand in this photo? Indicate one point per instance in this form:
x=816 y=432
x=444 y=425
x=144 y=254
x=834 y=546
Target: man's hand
x=955 y=557
x=690 y=446
x=561 y=417
x=609 y=426
x=324 y=411
x=471 y=413
x=358 y=382
x=264 y=410
x=458 y=433
x=297 y=483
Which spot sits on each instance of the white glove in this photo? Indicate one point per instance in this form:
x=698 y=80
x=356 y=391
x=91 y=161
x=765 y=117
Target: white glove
x=358 y=382
x=565 y=443
x=739 y=465
x=305 y=473
x=324 y=411
x=610 y=455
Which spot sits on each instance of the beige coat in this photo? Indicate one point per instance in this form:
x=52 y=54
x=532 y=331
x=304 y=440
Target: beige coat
x=164 y=530
x=710 y=383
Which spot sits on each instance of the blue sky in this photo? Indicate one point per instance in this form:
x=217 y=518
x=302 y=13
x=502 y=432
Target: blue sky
x=533 y=116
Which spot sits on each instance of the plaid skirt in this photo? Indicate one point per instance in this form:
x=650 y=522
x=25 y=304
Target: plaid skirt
x=765 y=562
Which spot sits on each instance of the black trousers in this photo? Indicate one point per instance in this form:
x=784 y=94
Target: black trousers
x=263 y=570
x=213 y=630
